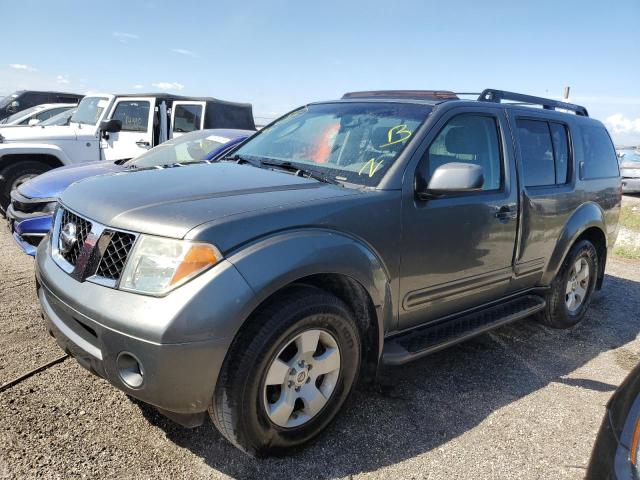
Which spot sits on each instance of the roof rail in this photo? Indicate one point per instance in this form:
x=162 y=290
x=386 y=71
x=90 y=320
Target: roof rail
x=491 y=95
x=412 y=94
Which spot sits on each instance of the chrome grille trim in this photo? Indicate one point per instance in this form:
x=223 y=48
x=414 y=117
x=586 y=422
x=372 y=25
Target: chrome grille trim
x=98 y=234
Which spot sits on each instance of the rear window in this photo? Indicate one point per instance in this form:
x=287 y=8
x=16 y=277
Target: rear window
x=599 y=159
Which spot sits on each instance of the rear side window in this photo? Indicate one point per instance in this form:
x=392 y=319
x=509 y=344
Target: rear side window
x=600 y=159
x=469 y=139
x=134 y=115
x=187 y=118
x=545 y=152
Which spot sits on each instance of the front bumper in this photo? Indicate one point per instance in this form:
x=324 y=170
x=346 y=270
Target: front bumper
x=28 y=230
x=174 y=338
x=630 y=185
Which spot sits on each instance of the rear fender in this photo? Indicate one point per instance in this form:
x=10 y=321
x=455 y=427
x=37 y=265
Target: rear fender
x=586 y=216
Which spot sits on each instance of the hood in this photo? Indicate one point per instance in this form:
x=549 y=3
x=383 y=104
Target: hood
x=54 y=182
x=630 y=165
x=50 y=132
x=172 y=201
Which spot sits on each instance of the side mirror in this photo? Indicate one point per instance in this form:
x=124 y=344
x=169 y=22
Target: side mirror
x=454 y=177
x=33 y=121
x=13 y=106
x=111 y=126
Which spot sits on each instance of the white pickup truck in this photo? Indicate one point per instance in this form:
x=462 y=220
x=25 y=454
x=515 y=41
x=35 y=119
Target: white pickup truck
x=110 y=127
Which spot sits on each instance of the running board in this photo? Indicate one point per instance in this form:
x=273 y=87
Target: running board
x=426 y=340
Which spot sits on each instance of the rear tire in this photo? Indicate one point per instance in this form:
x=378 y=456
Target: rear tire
x=248 y=394
x=572 y=288
x=14 y=175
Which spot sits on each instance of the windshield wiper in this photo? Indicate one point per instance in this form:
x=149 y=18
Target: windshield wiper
x=301 y=172
x=239 y=159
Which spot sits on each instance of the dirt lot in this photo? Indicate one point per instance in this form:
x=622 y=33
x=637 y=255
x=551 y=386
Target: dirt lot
x=521 y=402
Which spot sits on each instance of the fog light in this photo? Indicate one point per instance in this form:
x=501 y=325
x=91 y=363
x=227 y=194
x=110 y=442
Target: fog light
x=130 y=370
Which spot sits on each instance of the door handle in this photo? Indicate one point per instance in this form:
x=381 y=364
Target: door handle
x=142 y=143
x=506 y=213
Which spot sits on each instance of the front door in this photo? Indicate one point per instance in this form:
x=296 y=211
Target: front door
x=457 y=250
x=136 y=136
x=186 y=117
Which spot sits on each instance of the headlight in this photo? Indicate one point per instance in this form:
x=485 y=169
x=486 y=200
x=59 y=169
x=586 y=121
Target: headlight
x=158 y=265
x=49 y=207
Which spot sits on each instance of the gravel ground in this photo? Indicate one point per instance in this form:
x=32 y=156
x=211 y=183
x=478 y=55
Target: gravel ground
x=521 y=402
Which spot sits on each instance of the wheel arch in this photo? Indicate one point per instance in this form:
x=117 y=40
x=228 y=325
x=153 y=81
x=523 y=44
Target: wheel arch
x=586 y=223
x=329 y=260
x=47 y=158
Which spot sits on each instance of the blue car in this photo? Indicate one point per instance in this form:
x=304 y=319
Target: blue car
x=33 y=202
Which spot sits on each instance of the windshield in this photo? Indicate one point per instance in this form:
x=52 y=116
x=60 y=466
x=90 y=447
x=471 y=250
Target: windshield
x=59 y=119
x=188 y=148
x=90 y=110
x=20 y=114
x=350 y=142
x=4 y=102
x=629 y=156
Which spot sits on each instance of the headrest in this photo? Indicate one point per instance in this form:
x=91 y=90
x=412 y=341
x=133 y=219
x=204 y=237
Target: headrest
x=463 y=140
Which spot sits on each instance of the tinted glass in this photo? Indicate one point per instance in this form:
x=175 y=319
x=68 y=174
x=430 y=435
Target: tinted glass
x=187 y=118
x=537 y=153
x=560 y=150
x=351 y=142
x=599 y=155
x=469 y=139
x=50 y=113
x=59 y=119
x=133 y=114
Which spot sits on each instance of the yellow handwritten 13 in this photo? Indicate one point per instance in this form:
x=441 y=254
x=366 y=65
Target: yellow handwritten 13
x=401 y=130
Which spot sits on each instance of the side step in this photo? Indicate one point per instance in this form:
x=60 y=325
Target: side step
x=426 y=340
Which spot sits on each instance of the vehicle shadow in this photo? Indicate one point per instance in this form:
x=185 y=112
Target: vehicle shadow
x=437 y=398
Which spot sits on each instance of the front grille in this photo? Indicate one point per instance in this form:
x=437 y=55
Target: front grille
x=83 y=227
x=115 y=256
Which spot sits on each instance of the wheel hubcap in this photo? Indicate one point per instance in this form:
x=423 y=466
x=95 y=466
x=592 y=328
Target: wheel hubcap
x=301 y=379
x=577 y=285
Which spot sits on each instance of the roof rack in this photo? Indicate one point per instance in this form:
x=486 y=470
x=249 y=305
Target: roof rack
x=491 y=95
x=412 y=94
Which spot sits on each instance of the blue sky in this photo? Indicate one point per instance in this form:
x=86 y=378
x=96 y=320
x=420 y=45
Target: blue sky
x=278 y=54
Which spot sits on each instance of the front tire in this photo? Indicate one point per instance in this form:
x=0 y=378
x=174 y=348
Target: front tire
x=14 y=175
x=572 y=288
x=288 y=373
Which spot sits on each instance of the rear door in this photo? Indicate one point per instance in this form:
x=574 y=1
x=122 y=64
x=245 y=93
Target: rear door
x=186 y=116
x=136 y=136
x=545 y=150
x=457 y=250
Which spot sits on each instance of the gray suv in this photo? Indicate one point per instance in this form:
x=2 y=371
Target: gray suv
x=346 y=236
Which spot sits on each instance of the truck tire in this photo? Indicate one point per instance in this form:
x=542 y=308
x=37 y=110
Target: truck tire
x=287 y=375
x=12 y=176
x=572 y=288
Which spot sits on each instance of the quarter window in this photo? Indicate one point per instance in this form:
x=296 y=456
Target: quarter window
x=187 y=118
x=600 y=159
x=134 y=115
x=544 y=147
x=468 y=139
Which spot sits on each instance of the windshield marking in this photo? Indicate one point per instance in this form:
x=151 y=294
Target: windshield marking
x=373 y=167
x=401 y=130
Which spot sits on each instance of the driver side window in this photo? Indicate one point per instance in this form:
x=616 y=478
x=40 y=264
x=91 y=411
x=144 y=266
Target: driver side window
x=467 y=138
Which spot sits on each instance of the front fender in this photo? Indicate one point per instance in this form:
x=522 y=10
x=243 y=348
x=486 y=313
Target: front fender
x=271 y=263
x=33 y=149
x=586 y=216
